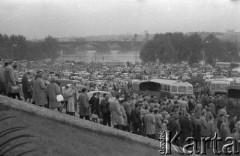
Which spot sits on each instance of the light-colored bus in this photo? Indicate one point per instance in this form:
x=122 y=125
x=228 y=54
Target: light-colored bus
x=223 y=65
x=235 y=72
x=164 y=87
x=233 y=106
x=219 y=86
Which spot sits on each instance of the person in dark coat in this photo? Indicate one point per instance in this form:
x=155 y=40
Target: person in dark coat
x=94 y=103
x=105 y=110
x=190 y=104
x=220 y=121
x=2 y=78
x=26 y=88
x=83 y=105
x=53 y=90
x=186 y=127
x=174 y=126
x=9 y=78
x=224 y=133
x=196 y=133
x=232 y=124
x=15 y=73
x=136 y=119
x=39 y=90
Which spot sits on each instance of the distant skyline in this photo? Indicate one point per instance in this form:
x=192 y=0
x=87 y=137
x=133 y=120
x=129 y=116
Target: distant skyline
x=37 y=19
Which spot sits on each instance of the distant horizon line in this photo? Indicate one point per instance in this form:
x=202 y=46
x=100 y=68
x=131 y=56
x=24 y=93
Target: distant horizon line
x=126 y=34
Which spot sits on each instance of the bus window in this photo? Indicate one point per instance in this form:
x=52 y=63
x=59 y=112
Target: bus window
x=166 y=88
x=174 y=88
x=212 y=86
x=189 y=88
x=220 y=87
x=163 y=87
x=181 y=89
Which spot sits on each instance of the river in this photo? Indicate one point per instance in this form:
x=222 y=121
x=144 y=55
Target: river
x=112 y=56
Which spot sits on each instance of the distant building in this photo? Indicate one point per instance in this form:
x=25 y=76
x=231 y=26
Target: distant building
x=231 y=32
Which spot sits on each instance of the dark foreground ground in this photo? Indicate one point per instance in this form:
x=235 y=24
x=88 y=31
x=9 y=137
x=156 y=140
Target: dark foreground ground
x=53 y=138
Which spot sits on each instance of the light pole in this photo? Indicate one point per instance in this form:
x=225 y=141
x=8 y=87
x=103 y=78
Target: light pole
x=203 y=52
x=14 y=45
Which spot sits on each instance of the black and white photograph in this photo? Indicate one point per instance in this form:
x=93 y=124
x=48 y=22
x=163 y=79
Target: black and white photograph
x=119 y=77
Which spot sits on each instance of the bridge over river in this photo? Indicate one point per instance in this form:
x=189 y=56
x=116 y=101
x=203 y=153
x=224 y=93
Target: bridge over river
x=102 y=46
x=108 y=56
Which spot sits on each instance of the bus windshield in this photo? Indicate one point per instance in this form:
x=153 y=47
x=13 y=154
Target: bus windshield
x=150 y=86
x=181 y=89
x=235 y=74
x=221 y=86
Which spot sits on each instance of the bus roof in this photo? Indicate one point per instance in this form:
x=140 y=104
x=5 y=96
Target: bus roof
x=225 y=79
x=222 y=63
x=170 y=82
x=220 y=82
x=236 y=69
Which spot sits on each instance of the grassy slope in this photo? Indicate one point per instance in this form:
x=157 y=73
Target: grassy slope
x=57 y=139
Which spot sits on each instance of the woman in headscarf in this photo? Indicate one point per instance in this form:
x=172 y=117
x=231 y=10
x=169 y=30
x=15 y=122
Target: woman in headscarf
x=124 y=115
x=70 y=94
x=26 y=87
x=117 y=116
x=53 y=90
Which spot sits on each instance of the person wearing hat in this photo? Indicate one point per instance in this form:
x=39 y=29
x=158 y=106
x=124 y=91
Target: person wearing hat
x=124 y=115
x=198 y=111
x=136 y=119
x=212 y=107
x=164 y=112
x=183 y=105
x=105 y=110
x=39 y=90
x=117 y=116
x=173 y=125
x=15 y=73
x=70 y=94
x=9 y=78
x=2 y=78
x=222 y=118
x=83 y=105
x=158 y=125
x=204 y=125
x=224 y=133
x=53 y=90
x=26 y=87
x=149 y=123
x=186 y=128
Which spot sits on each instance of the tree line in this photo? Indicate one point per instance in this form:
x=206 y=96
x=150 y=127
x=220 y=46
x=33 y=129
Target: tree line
x=178 y=47
x=19 y=48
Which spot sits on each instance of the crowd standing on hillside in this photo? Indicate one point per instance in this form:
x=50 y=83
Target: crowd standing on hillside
x=141 y=114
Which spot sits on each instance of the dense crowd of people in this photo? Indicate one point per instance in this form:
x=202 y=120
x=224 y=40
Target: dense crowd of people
x=142 y=114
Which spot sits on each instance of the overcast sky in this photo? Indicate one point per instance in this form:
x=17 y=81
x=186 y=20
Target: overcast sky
x=63 y=18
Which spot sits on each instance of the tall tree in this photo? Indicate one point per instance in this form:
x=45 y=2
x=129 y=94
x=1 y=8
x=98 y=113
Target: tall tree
x=214 y=49
x=178 y=42
x=193 y=47
x=51 y=47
